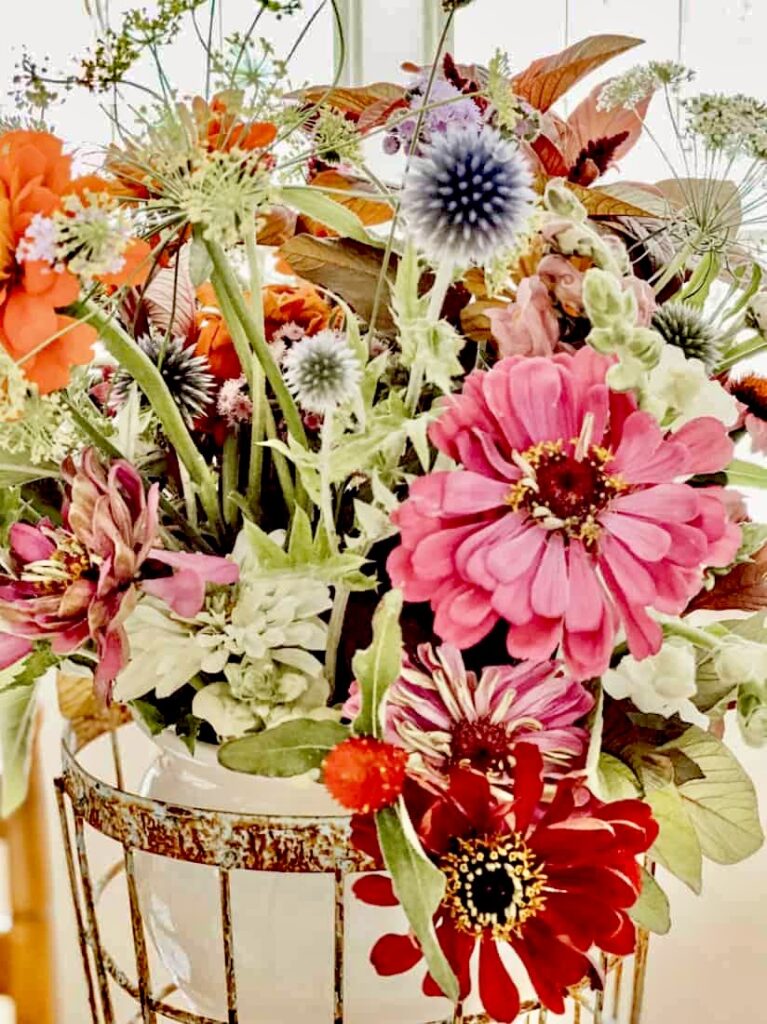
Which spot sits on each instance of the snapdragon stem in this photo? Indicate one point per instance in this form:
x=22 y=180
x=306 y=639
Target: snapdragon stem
x=230 y=287
x=750 y=347
x=124 y=349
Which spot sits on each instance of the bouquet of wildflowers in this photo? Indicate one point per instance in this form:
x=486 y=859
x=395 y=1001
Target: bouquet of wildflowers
x=384 y=434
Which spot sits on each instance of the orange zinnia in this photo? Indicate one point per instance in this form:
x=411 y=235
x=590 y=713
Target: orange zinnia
x=34 y=175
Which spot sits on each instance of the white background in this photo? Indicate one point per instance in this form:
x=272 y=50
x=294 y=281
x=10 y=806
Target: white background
x=710 y=970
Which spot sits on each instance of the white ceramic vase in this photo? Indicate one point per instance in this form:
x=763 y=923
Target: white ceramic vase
x=283 y=923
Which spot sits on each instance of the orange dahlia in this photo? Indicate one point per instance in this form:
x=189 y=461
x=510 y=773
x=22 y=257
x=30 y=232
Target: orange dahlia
x=34 y=177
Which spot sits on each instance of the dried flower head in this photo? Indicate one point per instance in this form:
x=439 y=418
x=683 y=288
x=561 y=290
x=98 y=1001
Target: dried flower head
x=467 y=197
x=322 y=371
x=364 y=774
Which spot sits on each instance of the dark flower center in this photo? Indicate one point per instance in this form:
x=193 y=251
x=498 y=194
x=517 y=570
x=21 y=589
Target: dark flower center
x=482 y=743
x=751 y=390
x=493 y=885
x=564 y=488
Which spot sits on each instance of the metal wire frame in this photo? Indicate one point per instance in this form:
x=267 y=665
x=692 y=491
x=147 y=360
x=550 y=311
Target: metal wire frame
x=226 y=842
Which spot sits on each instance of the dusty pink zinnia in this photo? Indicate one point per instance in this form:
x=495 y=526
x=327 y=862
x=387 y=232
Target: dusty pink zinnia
x=566 y=518
x=80 y=581
x=452 y=718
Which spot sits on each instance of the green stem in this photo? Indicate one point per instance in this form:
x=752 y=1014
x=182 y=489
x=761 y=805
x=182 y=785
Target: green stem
x=672 y=269
x=257 y=428
x=746 y=348
x=279 y=461
x=436 y=301
x=258 y=389
x=229 y=477
x=127 y=353
x=326 y=490
x=699 y=637
x=230 y=287
x=335 y=628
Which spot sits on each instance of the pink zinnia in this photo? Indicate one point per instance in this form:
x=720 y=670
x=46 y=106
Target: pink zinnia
x=451 y=718
x=567 y=518
x=79 y=582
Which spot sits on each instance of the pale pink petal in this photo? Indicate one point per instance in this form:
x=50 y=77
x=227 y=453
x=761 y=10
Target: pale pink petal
x=674 y=502
x=465 y=493
x=632 y=574
x=586 y=613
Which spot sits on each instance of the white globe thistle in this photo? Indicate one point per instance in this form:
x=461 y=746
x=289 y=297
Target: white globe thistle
x=467 y=197
x=322 y=372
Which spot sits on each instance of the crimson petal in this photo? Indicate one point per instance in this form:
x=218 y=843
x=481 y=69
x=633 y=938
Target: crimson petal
x=497 y=991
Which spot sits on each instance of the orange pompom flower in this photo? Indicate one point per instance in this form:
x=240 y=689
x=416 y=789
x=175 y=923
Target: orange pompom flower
x=365 y=774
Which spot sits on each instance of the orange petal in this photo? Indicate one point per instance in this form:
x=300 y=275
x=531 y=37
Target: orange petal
x=51 y=368
x=28 y=321
x=138 y=263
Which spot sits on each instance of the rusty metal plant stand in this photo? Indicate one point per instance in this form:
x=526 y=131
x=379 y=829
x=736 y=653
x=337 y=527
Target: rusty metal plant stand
x=226 y=842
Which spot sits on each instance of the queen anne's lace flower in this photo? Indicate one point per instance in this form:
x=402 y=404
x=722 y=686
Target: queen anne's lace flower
x=629 y=89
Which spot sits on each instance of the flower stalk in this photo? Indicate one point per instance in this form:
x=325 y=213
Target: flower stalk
x=124 y=349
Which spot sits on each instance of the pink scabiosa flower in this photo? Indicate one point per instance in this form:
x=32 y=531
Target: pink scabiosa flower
x=80 y=581
x=451 y=718
x=566 y=518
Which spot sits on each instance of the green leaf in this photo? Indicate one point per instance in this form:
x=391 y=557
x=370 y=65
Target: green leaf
x=150 y=715
x=677 y=847
x=293 y=748
x=313 y=202
x=17 y=469
x=17 y=712
x=615 y=780
x=419 y=886
x=703 y=277
x=722 y=806
x=651 y=910
x=376 y=668
x=741 y=473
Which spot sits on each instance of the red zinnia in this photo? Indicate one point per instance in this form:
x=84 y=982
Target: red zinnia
x=551 y=882
x=365 y=774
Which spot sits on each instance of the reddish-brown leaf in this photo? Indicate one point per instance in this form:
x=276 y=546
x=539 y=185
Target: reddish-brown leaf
x=600 y=202
x=352 y=100
x=345 y=267
x=549 y=78
x=588 y=123
x=744 y=588
x=551 y=161
x=378 y=114
x=475 y=322
x=370 y=211
x=277 y=226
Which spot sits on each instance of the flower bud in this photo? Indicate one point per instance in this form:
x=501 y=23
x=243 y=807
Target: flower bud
x=752 y=712
x=563 y=202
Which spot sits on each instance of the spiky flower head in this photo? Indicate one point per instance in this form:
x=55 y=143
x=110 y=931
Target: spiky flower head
x=683 y=326
x=467 y=196
x=186 y=375
x=322 y=372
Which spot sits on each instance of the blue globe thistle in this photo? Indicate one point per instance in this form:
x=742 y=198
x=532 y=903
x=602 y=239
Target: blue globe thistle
x=467 y=196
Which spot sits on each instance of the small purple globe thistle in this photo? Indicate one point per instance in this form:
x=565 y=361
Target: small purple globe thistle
x=467 y=196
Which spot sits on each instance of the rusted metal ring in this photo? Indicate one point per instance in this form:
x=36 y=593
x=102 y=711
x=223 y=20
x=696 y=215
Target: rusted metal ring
x=234 y=841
